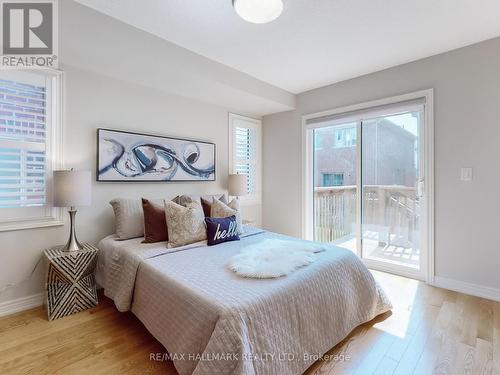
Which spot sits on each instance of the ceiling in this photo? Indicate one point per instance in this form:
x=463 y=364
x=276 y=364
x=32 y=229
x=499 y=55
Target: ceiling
x=314 y=42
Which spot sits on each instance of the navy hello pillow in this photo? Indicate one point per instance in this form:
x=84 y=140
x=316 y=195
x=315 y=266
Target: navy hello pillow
x=221 y=230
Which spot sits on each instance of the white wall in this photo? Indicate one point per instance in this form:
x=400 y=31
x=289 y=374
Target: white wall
x=467 y=134
x=92 y=101
x=119 y=77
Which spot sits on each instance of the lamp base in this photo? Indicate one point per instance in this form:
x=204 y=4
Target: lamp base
x=72 y=244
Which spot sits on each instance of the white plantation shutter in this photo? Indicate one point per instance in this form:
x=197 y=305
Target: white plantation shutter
x=22 y=143
x=22 y=176
x=25 y=165
x=245 y=155
x=245 y=151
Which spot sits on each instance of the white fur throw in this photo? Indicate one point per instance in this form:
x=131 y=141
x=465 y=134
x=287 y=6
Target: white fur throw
x=273 y=258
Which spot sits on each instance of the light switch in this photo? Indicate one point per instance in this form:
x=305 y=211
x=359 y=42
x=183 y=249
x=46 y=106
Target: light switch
x=466 y=174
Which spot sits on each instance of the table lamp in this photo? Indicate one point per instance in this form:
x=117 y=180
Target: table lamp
x=237 y=185
x=71 y=189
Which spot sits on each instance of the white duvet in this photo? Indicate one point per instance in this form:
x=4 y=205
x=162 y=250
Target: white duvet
x=213 y=321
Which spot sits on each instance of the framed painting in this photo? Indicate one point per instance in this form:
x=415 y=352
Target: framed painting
x=124 y=156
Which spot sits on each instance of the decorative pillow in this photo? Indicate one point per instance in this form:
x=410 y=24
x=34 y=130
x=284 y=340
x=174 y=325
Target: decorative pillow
x=184 y=200
x=129 y=218
x=185 y=225
x=221 y=230
x=155 y=224
x=206 y=203
x=220 y=209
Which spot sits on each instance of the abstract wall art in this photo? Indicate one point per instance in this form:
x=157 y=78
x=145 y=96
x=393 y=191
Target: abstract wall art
x=126 y=156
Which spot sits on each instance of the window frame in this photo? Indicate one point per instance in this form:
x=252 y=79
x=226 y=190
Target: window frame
x=372 y=109
x=50 y=216
x=257 y=125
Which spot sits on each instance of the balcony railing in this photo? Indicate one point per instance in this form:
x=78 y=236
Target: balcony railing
x=390 y=212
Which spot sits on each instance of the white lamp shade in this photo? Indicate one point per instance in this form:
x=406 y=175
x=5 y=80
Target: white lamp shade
x=237 y=185
x=72 y=188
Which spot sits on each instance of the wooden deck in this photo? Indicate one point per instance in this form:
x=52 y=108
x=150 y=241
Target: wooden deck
x=430 y=331
x=391 y=254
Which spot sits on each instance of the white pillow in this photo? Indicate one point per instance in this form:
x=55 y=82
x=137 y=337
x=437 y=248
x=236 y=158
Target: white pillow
x=185 y=224
x=129 y=218
x=219 y=209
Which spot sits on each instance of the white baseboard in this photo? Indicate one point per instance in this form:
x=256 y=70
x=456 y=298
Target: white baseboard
x=467 y=288
x=20 y=304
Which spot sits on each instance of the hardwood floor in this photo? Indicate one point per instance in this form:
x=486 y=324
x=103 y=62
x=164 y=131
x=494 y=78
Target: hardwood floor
x=430 y=331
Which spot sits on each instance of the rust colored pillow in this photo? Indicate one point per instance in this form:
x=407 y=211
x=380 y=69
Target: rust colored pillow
x=155 y=224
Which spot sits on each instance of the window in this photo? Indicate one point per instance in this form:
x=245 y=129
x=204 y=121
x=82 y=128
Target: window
x=345 y=137
x=333 y=179
x=29 y=147
x=318 y=142
x=369 y=168
x=244 y=135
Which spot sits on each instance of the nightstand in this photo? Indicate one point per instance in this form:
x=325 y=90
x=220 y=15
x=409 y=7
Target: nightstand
x=70 y=285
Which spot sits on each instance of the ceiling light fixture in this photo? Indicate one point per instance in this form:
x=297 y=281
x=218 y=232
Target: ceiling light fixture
x=258 y=11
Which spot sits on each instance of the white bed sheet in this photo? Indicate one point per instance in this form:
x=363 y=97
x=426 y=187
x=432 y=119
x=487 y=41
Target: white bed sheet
x=200 y=310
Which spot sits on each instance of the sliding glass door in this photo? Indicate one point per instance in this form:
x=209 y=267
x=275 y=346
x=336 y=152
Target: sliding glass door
x=390 y=204
x=367 y=185
x=335 y=184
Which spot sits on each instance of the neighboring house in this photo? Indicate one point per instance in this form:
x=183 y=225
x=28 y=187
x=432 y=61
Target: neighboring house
x=388 y=155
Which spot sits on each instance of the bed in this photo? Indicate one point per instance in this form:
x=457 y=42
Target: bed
x=212 y=321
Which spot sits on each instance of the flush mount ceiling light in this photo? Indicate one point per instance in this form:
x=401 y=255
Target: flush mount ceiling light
x=258 y=11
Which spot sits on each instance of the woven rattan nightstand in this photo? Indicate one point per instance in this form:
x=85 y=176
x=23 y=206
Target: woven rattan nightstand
x=70 y=284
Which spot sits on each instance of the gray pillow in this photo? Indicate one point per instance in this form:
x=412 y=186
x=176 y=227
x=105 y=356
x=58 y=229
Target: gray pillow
x=129 y=218
x=185 y=224
x=219 y=209
x=208 y=200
